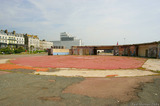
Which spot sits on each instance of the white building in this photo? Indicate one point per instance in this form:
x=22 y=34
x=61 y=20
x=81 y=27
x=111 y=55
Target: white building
x=20 y=39
x=45 y=44
x=67 y=41
x=32 y=42
x=3 y=39
x=11 y=39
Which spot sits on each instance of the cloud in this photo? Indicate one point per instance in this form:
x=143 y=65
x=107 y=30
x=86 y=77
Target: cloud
x=94 y=21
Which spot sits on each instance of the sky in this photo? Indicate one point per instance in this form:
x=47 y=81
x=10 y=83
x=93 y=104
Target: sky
x=96 y=22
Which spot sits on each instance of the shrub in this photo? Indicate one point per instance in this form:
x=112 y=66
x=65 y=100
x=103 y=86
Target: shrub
x=19 y=50
x=7 y=50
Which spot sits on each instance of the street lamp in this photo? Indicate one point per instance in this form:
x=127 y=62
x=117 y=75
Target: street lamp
x=124 y=40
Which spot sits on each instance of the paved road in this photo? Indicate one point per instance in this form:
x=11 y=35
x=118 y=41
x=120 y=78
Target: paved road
x=23 y=88
x=18 y=89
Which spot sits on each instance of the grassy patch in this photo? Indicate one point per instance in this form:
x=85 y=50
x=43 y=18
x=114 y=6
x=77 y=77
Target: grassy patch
x=141 y=68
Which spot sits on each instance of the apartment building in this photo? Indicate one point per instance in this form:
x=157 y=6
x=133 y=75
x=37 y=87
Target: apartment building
x=11 y=39
x=20 y=41
x=32 y=42
x=29 y=42
x=45 y=44
x=3 y=39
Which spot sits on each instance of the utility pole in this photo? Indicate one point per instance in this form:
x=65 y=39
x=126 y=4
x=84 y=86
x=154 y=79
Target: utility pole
x=124 y=40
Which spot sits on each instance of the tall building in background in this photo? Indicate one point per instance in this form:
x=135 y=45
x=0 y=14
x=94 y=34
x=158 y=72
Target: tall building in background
x=67 y=41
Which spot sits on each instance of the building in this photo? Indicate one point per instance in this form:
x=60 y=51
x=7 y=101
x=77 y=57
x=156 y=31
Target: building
x=20 y=40
x=44 y=45
x=67 y=41
x=3 y=39
x=32 y=42
x=150 y=50
x=11 y=39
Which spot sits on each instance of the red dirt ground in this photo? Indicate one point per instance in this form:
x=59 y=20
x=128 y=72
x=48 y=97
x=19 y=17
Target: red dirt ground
x=81 y=62
x=8 y=66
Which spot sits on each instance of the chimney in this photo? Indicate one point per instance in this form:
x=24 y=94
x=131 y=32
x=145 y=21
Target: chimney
x=14 y=32
x=6 y=31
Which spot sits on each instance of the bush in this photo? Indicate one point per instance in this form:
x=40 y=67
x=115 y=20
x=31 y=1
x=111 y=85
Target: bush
x=37 y=51
x=7 y=50
x=19 y=50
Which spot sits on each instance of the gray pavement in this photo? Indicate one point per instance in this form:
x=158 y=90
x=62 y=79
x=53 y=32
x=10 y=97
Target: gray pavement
x=12 y=56
x=37 y=90
x=23 y=88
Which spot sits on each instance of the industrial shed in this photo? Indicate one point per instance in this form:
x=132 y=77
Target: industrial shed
x=151 y=50
x=88 y=50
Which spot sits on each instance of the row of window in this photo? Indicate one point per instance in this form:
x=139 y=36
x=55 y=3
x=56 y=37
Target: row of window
x=3 y=40
x=18 y=42
x=20 y=39
x=2 y=37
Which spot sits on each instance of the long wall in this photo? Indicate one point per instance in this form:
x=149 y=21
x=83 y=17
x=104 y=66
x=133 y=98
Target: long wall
x=151 y=50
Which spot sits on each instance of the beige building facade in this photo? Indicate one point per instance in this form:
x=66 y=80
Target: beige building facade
x=44 y=45
x=32 y=42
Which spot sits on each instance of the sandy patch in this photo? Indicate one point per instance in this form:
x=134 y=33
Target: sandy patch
x=152 y=64
x=2 y=61
x=97 y=73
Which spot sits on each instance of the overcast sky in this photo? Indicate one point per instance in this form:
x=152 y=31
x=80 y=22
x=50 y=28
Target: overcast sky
x=96 y=22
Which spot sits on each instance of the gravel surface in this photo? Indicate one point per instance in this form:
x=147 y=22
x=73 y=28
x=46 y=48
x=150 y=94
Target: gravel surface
x=22 y=88
x=21 y=71
x=121 y=89
x=12 y=56
x=82 y=62
x=34 y=90
x=19 y=89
